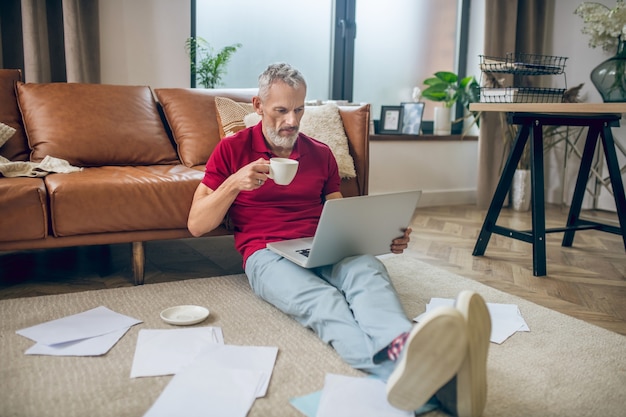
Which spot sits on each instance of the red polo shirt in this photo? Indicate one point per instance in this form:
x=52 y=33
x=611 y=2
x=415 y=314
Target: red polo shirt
x=274 y=212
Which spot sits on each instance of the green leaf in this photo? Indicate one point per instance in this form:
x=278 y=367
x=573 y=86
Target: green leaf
x=432 y=81
x=435 y=93
x=466 y=81
x=446 y=76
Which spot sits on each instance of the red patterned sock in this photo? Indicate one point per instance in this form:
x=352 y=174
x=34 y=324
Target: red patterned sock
x=396 y=345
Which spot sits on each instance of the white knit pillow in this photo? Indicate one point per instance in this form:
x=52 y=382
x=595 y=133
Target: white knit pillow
x=324 y=124
x=6 y=132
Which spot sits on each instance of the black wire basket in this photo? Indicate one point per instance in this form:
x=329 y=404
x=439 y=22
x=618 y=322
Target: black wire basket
x=521 y=95
x=523 y=64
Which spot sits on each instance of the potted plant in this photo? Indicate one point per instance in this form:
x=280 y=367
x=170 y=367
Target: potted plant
x=446 y=87
x=208 y=66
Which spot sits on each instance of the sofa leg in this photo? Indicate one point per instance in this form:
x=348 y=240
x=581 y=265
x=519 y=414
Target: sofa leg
x=139 y=259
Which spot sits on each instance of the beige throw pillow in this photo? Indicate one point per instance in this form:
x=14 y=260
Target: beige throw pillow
x=6 y=132
x=324 y=124
x=230 y=115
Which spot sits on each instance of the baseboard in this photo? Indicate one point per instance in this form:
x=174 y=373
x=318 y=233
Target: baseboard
x=432 y=198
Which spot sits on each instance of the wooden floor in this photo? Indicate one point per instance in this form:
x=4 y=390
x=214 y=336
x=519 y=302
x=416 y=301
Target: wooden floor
x=586 y=281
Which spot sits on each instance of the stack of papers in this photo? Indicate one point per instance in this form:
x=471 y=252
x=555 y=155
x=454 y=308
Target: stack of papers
x=91 y=333
x=506 y=319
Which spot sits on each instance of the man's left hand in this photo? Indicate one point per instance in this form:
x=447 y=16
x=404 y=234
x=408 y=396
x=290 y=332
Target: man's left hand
x=399 y=244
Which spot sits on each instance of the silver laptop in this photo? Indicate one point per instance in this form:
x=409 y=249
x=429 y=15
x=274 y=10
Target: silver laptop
x=352 y=226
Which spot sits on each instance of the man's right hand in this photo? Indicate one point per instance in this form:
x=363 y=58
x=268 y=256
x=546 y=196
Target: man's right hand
x=252 y=176
x=209 y=207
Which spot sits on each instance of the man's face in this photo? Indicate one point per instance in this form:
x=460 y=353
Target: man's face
x=281 y=112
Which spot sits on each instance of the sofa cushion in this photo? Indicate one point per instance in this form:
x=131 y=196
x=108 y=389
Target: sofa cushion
x=192 y=117
x=94 y=124
x=16 y=148
x=23 y=211
x=121 y=199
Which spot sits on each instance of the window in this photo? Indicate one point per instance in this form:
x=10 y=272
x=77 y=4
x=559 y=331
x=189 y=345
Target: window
x=360 y=50
x=270 y=31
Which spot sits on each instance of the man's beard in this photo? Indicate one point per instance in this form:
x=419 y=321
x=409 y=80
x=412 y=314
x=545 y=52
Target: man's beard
x=281 y=141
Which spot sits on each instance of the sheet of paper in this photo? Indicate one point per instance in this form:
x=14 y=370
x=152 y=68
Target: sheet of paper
x=91 y=323
x=165 y=352
x=249 y=358
x=348 y=396
x=200 y=391
x=94 y=346
x=506 y=319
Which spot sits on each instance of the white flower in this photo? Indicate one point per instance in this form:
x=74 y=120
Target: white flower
x=604 y=26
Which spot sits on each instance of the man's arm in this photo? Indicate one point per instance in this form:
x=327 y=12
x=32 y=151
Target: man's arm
x=209 y=207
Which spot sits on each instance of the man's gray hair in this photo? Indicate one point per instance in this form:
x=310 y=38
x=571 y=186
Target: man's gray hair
x=279 y=72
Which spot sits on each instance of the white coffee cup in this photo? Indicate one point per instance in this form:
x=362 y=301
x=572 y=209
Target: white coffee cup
x=283 y=170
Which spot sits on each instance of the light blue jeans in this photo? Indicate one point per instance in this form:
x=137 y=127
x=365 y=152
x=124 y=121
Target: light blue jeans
x=351 y=305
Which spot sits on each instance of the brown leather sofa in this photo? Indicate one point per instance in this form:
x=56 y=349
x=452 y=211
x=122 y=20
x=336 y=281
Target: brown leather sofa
x=142 y=151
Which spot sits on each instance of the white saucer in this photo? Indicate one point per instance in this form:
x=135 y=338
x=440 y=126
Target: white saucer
x=184 y=315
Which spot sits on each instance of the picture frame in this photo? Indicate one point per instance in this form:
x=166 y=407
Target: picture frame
x=412 y=113
x=390 y=120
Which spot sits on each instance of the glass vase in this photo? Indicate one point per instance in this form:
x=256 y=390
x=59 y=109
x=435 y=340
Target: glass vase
x=609 y=77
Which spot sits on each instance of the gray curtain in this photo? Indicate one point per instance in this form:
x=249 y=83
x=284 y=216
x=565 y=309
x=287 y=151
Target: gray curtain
x=51 y=40
x=510 y=26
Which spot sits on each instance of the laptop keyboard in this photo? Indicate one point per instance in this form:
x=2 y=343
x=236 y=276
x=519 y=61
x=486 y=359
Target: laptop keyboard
x=304 y=252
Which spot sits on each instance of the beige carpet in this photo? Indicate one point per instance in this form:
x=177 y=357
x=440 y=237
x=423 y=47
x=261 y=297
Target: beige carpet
x=562 y=367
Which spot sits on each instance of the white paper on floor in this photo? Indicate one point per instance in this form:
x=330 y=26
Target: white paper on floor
x=167 y=351
x=94 y=346
x=199 y=391
x=506 y=319
x=90 y=333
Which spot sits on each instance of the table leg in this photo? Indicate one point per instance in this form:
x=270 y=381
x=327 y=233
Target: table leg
x=615 y=174
x=501 y=190
x=538 y=202
x=581 y=183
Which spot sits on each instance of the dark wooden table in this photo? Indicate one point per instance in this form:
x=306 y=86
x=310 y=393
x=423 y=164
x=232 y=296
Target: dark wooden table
x=531 y=117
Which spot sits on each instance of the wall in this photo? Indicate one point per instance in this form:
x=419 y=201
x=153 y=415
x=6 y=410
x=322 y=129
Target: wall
x=444 y=170
x=142 y=42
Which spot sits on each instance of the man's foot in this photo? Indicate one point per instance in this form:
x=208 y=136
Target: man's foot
x=432 y=355
x=466 y=394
